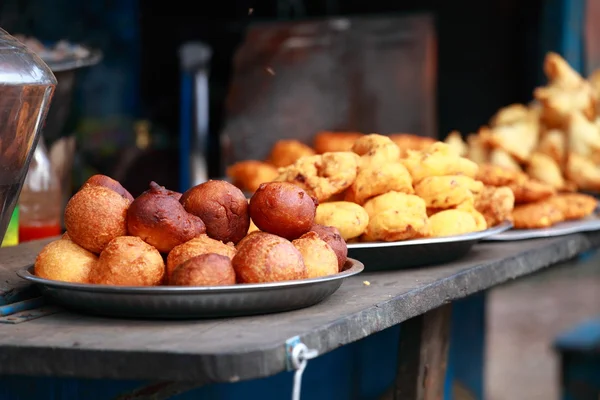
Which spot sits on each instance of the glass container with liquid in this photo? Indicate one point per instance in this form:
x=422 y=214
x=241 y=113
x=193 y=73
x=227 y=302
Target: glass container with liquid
x=26 y=89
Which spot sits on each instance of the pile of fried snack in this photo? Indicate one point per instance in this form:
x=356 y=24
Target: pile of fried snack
x=544 y=149
x=378 y=192
x=201 y=238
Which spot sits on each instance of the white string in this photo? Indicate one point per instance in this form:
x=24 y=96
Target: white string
x=300 y=356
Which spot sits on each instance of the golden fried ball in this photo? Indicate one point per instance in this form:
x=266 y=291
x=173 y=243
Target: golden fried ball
x=204 y=270
x=63 y=260
x=109 y=183
x=223 y=208
x=319 y=258
x=128 y=261
x=262 y=257
x=96 y=215
x=331 y=235
x=196 y=247
x=350 y=219
x=451 y=222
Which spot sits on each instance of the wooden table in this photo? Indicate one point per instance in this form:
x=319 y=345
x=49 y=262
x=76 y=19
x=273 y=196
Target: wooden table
x=185 y=354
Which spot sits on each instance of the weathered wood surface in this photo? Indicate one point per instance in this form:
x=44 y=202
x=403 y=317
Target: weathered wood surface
x=228 y=350
x=423 y=356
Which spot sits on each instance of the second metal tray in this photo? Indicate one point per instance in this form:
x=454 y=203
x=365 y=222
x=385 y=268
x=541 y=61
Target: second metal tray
x=183 y=302
x=420 y=252
x=589 y=224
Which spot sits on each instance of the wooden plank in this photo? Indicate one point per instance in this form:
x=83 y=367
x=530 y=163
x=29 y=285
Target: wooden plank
x=229 y=350
x=423 y=356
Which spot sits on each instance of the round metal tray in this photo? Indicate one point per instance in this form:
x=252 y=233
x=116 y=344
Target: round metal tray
x=419 y=252
x=588 y=224
x=192 y=302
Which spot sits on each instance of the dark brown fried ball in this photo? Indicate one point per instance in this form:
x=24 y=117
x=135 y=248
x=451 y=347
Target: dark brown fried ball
x=319 y=258
x=262 y=257
x=332 y=237
x=205 y=270
x=96 y=215
x=283 y=209
x=223 y=208
x=161 y=221
x=63 y=260
x=128 y=261
x=196 y=247
x=109 y=183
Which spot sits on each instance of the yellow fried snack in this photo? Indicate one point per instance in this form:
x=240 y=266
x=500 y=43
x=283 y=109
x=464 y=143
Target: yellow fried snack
x=560 y=73
x=63 y=260
x=478 y=149
x=495 y=175
x=287 y=152
x=480 y=221
x=451 y=222
x=447 y=191
x=544 y=169
x=559 y=103
x=374 y=179
x=495 y=204
x=376 y=149
x=583 y=137
x=574 y=205
x=406 y=220
x=554 y=144
x=501 y=158
x=437 y=160
x=517 y=139
x=541 y=214
x=322 y=176
x=583 y=172
x=457 y=144
x=248 y=175
x=349 y=218
x=530 y=190
x=510 y=115
x=408 y=141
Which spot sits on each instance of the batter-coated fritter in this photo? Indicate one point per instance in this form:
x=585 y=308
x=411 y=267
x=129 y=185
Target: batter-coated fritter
x=451 y=222
x=407 y=141
x=350 y=219
x=406 y=219
x=437 y=160
x=63 y=260
x=329 y=142
x=196 y=247
x=376 y=149
x=319 y=258
x=287 y=152
x=574 y=205
x=128 y=261
x=496 y=204
x=448 y=191
x=374 y=179
x=322 y=176
x=541 y=214
x=248 y=175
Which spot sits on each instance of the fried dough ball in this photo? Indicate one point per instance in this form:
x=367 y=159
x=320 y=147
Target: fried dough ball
x=329 y=142
x=222 y=207
x=451 y=222
x=541 y=214
x=496 y=204
x=525 y=190
x=128 y=261
x=196 y=247
x=248 y=175
x=480 y=221
x=376 y=149
x=350 y=219
x=109 y=183
x=96 y=215
x=204 y=270
x=495 y=175
x=407 y=141
x=324 y=175
x=331 y=235
x=448 y=191
x=375 y=179
x=404 y=217
x=63 y=260
x=262 y=257
x=283 y=209
x=531 y=190
x=319 y=258
x=287 y=152
x=574 y=205
x=161 y=221
x=437 y=160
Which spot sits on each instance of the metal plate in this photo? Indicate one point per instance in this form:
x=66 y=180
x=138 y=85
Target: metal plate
x=186 y=302
x=589 y=224
x=420 y=252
